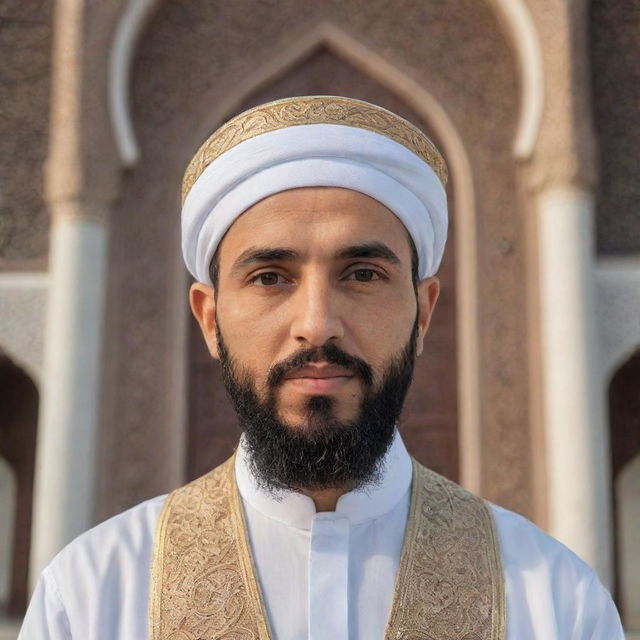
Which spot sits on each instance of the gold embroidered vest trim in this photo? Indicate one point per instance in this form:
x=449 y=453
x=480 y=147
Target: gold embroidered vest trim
x=450 y=584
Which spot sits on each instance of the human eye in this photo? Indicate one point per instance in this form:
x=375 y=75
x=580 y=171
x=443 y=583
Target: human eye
x=363 y=275
x=268 y=279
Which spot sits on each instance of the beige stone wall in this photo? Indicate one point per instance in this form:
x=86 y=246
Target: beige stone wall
x=614 y=34
x=25 y=74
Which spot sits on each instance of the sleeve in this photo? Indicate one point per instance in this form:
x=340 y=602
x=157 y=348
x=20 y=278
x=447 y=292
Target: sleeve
x=598 y=617
x=46 y=618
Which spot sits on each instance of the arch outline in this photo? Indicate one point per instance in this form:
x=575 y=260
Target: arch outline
x=517 y=22
x=430 y=110
x=514 y=15
x=131 y=23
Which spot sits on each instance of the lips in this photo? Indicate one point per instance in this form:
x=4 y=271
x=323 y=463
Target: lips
x=319 y=372
x=319 y=379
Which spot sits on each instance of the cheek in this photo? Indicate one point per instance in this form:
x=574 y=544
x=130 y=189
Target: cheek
x=254 y=340
x=382 y=332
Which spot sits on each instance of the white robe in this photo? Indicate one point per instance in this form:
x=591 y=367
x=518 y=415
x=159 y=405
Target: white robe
x=324 y=576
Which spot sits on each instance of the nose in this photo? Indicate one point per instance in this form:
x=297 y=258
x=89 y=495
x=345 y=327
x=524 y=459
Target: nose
x=316 y=318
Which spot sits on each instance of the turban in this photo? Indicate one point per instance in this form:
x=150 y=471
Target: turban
x=314 y=141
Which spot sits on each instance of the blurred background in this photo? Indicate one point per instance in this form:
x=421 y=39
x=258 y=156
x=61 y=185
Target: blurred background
x=529 y=391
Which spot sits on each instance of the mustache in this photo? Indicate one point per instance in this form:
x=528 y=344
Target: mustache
x=329 y=353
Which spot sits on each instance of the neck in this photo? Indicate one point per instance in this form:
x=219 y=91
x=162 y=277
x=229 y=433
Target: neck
x=326 y=499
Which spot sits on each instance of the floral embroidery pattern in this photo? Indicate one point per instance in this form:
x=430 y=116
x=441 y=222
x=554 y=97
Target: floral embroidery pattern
x=291 y=112
x=450 y=584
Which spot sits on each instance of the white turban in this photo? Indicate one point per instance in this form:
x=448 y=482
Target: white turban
x=244 y=163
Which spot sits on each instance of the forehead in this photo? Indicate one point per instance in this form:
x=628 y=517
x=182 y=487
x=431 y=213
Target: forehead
x=316 y=221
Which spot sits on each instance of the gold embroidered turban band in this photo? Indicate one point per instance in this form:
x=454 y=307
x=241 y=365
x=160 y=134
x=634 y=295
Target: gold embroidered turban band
x=314 y=141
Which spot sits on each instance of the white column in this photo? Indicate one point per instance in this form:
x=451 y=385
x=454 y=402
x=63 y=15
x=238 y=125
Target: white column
x=576 y=437
x=65 y=458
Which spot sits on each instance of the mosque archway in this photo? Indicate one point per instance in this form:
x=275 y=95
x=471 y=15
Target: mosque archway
x=200 y=62
x=429 y=422
x=624 y=421
x=18 y=427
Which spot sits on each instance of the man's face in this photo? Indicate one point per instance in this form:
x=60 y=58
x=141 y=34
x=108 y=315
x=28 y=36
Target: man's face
x=315 y=303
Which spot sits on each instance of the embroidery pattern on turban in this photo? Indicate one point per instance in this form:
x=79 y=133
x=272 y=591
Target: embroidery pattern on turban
x=314 y=141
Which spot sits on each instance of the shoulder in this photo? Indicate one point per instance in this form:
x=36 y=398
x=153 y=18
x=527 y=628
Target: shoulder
x=97 y=586
x=126 y=535
x=523 y=546
x=101 y=579
x=551 y=592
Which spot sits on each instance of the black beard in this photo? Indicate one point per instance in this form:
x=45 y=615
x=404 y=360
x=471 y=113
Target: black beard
x=324 y=452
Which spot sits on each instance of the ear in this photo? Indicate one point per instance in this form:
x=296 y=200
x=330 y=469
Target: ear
x=428 y=292
x=203 y=306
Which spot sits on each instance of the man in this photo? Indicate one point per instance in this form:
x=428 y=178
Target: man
x=314 y=228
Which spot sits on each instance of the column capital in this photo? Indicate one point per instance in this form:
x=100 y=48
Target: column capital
x=76 y=209
x=82 y=162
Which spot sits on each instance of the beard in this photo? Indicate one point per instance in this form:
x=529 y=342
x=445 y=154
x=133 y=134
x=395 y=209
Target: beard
x=322 y=452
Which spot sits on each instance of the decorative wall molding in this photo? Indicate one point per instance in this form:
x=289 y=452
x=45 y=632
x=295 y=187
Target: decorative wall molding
x=132 y=21
x=516 y=19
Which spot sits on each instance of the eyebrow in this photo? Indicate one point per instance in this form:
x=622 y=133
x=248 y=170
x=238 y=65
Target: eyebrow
x=369 y=250
x=255 y=255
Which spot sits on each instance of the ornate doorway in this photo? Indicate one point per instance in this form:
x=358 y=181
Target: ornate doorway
x=429 y=422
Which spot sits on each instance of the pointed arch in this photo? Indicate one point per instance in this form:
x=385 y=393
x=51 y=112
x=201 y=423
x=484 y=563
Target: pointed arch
x=512 y=14
x=432 y=112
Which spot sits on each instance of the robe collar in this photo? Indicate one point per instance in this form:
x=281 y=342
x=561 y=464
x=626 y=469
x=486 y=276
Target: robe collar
x=297 y=510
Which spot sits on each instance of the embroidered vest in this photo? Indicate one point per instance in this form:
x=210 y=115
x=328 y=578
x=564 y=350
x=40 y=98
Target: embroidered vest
x=450 y=584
